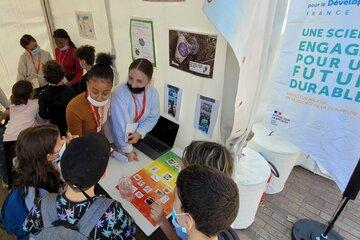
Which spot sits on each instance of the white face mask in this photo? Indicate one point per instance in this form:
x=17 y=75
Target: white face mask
x=97 y=103
x=61 y=152
x=64 y=48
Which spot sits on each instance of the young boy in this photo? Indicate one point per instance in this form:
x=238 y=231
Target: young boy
x=54 y=99
x=206 y=203
x=83 y=164
x=86 y=55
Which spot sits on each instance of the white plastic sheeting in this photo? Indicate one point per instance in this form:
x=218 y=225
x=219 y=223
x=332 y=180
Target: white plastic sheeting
x=18 y=17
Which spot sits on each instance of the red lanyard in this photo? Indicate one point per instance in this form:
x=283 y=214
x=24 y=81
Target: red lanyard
x=60 y=53
x=33 y=61
x=93 y=112
x=137 y=114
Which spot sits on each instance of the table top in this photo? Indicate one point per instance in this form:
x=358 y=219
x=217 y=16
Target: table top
x=116 y=170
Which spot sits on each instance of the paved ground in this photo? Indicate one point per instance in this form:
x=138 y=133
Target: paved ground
x=305 y=196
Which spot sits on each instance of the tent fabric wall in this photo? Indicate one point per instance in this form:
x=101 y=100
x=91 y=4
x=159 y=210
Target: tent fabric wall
x=183 y=16
x=18 y=17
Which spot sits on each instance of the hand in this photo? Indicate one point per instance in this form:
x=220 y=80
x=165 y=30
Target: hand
x=157 y=213
x=69 y=137
x=134 y=138
x=132 y=156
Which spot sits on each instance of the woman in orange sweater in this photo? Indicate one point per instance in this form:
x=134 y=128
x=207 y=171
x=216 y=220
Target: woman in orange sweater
x=88 y=111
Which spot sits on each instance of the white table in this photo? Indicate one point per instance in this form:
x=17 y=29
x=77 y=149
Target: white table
x=116 y=170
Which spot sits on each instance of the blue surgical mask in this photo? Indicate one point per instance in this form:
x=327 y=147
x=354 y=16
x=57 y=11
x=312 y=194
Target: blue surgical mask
x=181 y=232
x=59 y=155
x=36 y=51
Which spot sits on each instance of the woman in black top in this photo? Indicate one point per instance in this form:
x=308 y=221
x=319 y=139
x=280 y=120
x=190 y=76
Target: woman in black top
x=54 y=99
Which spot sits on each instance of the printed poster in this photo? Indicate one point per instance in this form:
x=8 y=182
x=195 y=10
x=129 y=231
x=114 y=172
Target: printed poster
x=173 y=99
x=156 y=182
x=142 y=40
x=85 y=24
x=206 y=114
x=316 y=104
x=192 y=52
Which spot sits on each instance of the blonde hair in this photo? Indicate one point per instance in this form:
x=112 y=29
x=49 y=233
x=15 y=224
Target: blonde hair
x=209 y=154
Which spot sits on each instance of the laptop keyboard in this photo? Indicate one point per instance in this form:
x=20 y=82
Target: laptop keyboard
x=156 y=146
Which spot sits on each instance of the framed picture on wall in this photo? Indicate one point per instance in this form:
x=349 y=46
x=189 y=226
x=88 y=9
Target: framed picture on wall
x=85 y=24
x=192 y=52
x=206 y=113
x=172 y=101
x=142 y=39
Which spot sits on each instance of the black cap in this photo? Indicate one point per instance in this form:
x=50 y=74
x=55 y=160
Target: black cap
x=85 y=160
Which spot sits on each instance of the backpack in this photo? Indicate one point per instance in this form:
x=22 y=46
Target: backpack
x=15 y=210
x=54 y=229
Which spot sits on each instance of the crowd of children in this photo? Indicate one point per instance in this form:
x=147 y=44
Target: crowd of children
x=55 y=149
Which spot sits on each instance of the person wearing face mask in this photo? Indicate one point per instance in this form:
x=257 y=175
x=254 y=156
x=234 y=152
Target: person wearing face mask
x=86 y=55
x=134 y=108
x=37 y=150
x=87 y=112
x=30 y=67
x=206 y=202
x=64 y=53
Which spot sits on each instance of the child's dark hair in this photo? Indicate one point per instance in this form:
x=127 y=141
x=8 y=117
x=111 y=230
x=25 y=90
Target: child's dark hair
x=21 y=92
x=62 y=33
x=32 y=148
x=210 y=154
x=209 y=196
x=102 y=68
x=86 y=53
x=143 y=65
x=26 y=40
x=53 y=72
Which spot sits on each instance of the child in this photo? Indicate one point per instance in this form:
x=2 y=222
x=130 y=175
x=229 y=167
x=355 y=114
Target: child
x=54 y=99
x=201 y=153
x=206 y=203
x=86 y=56
x=134 y=108
x=36 y=149
x=210 y=154
x=23 y=114
x=83 y=164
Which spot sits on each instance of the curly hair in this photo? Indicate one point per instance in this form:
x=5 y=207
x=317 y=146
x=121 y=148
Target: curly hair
x=53 y=72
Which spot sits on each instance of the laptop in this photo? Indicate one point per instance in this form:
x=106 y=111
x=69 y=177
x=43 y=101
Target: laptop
x=159 y=140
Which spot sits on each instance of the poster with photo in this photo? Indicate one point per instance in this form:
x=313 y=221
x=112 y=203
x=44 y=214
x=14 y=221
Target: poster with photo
x=192 y=52
x=172 y=101
x=85 y=24
x=142 y=39
x=206 y=113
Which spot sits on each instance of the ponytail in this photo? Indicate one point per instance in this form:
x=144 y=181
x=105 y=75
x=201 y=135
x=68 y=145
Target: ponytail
x=62 y=33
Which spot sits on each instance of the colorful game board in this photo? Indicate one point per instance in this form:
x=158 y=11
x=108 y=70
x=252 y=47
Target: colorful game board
x=156 y=182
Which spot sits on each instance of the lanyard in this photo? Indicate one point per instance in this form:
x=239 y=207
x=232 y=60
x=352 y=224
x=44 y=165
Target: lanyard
x=93 y=112
x=37 y=68
x=137 y=114
x=60 y=53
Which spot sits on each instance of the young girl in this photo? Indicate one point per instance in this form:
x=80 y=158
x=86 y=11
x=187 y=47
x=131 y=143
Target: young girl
x=134 y=108
x=23 y=114
x=30 y=67
x=88 y=111
x=37 y=149
x=197 y=153
x=64 y=53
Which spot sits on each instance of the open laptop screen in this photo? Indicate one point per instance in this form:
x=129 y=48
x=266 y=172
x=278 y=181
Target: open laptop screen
x=165 y=131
